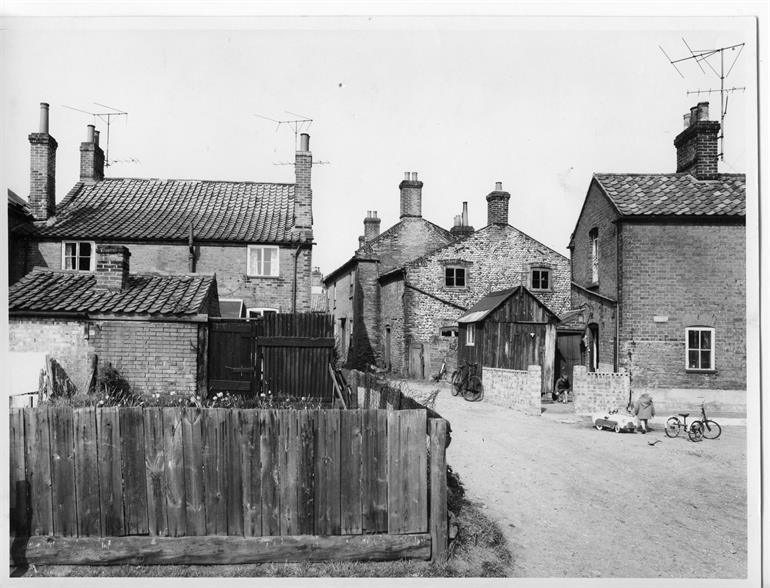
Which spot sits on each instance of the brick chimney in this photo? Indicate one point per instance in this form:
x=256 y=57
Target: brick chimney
x=303 y=195
x=91 y=157
x=461 y=227
x=112 y=267
x=697 y=150
x=371 y=225
x=411 y=195
x=497 y=206
x=42 y=181
x=361 y=241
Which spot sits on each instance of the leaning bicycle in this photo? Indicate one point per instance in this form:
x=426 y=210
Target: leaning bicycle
x=710 y=429
x=465 y=381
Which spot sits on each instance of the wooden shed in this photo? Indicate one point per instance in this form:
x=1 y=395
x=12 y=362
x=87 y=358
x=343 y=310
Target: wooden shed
x=510 y=329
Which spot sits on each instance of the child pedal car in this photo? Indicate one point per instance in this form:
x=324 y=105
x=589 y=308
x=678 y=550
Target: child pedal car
x=613 y=419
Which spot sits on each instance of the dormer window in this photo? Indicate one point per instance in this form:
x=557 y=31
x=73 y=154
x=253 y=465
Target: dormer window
x=78 y=255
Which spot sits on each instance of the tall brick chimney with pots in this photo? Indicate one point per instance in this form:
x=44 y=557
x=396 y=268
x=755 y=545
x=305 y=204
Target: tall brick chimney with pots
x=371 y=225
x=411 y=195
x=497 y=206
x=42 y=181
x=697 y=150
x=112 y=267
x=303 y=195
x=91 y=157
x=461 y=227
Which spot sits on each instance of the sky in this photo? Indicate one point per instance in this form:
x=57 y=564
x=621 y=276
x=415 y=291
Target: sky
x=539 y=104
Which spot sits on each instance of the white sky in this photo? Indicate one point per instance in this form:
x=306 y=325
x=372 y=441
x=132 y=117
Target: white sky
x=537 y=103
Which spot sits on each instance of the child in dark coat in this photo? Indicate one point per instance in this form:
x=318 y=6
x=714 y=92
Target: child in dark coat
x=644 y=410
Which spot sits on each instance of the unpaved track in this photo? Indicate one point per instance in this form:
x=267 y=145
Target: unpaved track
x=576 y=502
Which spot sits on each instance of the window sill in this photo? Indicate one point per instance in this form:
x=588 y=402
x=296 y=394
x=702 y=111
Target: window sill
x=541 y=290
x=248 y=277
x=693 y=371
x=455 y=288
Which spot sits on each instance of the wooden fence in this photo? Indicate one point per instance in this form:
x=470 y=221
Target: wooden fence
x=274 y=485
x=286 y=354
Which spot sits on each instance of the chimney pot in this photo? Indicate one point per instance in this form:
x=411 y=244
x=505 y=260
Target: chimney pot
x=304 y=142
x=703 y=111
x=414 y=176
x=686 y=119
x=458 y=220
x=406 y=176
x=498 y=186
x=89 y=133
x=464 y=217
x=44 y=117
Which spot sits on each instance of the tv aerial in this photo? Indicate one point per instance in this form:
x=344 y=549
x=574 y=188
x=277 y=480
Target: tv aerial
x=107 y=118
x=297 y=125
x=701 y=56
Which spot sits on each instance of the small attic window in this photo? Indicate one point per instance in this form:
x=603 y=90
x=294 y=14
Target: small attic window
x=454 y=277
x=78 y=255
x=540 y=279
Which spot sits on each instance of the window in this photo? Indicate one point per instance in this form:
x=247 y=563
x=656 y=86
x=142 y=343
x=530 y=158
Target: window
x=448 y=331
x=231 y=308
x=262 y=261
x=78 y=255
x=541 y=279
x=594 y=236
x=454 y=277
x=260 y=312
x=470 y=333
x=700 y=348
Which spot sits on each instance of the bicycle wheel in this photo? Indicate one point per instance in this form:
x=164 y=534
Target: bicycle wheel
x=457 y=382
x=475 y=390
x=672 y=427
x=710 y=429
x=695 y=432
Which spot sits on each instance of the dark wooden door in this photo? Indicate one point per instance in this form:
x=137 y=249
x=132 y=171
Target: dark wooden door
x=232 y=356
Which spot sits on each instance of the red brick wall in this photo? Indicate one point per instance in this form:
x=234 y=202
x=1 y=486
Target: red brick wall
x=694 y=275
x=228 y=262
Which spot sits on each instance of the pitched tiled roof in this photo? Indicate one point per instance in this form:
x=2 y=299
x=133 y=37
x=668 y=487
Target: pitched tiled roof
x=47 y=290
x=675 y=194
x=151 y=209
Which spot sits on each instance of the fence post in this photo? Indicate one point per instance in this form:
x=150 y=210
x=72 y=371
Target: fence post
x=438 y=498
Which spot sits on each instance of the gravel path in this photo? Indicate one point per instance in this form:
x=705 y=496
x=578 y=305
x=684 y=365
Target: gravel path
x=576 y=502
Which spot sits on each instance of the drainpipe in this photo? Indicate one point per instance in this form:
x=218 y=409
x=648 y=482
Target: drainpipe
x=294 y=296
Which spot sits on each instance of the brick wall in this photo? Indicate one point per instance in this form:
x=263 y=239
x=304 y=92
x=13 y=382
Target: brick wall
x=228 y=262
x=516 y=389
x=598 y=391
x=675 y=276
x=42 y=183
x=601 y=313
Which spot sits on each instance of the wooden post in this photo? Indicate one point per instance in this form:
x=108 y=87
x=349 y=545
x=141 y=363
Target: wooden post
x=438 y=493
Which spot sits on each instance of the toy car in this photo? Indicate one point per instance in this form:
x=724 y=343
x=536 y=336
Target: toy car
x=615 y=421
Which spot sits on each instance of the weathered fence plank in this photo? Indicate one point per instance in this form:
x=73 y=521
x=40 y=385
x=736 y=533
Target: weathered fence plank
x=155 y=464
x=37 y=455
x=110 y=476
x=214 y=474
x=407 y=467
x=350 y=472
x=134 y=478
x=222 y=550
x=270 y=483
x=438 y=490
x=174 y=473
x=306 y=472
x=192 y=449
x=374 y=481
x=251 y=483
x=86 y=472
x=327 y=478
x=19 y=493
x=289 y=450
x=63 y=472
x=233 y=474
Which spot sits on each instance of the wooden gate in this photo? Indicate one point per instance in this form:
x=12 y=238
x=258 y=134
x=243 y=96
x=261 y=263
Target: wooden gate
x=286 y=355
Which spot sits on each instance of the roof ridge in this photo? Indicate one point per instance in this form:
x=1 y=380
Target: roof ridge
x=197 y=180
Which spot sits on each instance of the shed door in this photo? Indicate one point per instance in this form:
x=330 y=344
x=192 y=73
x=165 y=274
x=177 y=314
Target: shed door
x=416 y=363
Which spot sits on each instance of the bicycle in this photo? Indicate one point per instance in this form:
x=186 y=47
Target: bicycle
x=674 y=426
x=709 y=428
x=466 y=381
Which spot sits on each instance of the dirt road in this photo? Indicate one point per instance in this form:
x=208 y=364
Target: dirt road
x=576 y=502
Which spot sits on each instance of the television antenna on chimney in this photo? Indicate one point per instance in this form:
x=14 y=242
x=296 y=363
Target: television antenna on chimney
x=299 y=125
x=104 y=117
x=701 y=56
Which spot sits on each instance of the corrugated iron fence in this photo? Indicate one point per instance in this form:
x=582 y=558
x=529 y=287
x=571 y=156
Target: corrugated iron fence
x=161 y=482
x=287 y=355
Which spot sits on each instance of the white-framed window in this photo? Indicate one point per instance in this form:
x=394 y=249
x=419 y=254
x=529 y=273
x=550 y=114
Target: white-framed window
x=594 y=236
x=470 y=335
x=262 y=261
x=78 y=255
x=540 y=278
x=699 y=344
x=454 y=277
x=260 y=312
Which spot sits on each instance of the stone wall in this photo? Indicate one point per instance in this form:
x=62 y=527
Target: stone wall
x=516 y=389
x=598 y=391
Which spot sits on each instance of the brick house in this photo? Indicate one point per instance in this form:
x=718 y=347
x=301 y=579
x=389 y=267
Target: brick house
x=257 y=237
x=659 y=272
x=152 y=328
x=423 y=298
x=353 y=290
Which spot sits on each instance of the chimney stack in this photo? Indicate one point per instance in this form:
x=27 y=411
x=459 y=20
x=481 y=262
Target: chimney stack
x=497 y=205
x=303 y=195
x=91 y=157
x=697 y=150
x=112 y=267
x=461 y=227
x=361 y=241
x=371 y=225
x=42 y=182
x=411 y=195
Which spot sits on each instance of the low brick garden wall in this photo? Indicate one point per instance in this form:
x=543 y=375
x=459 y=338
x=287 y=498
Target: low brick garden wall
x=516 y=389
x=597 y=391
